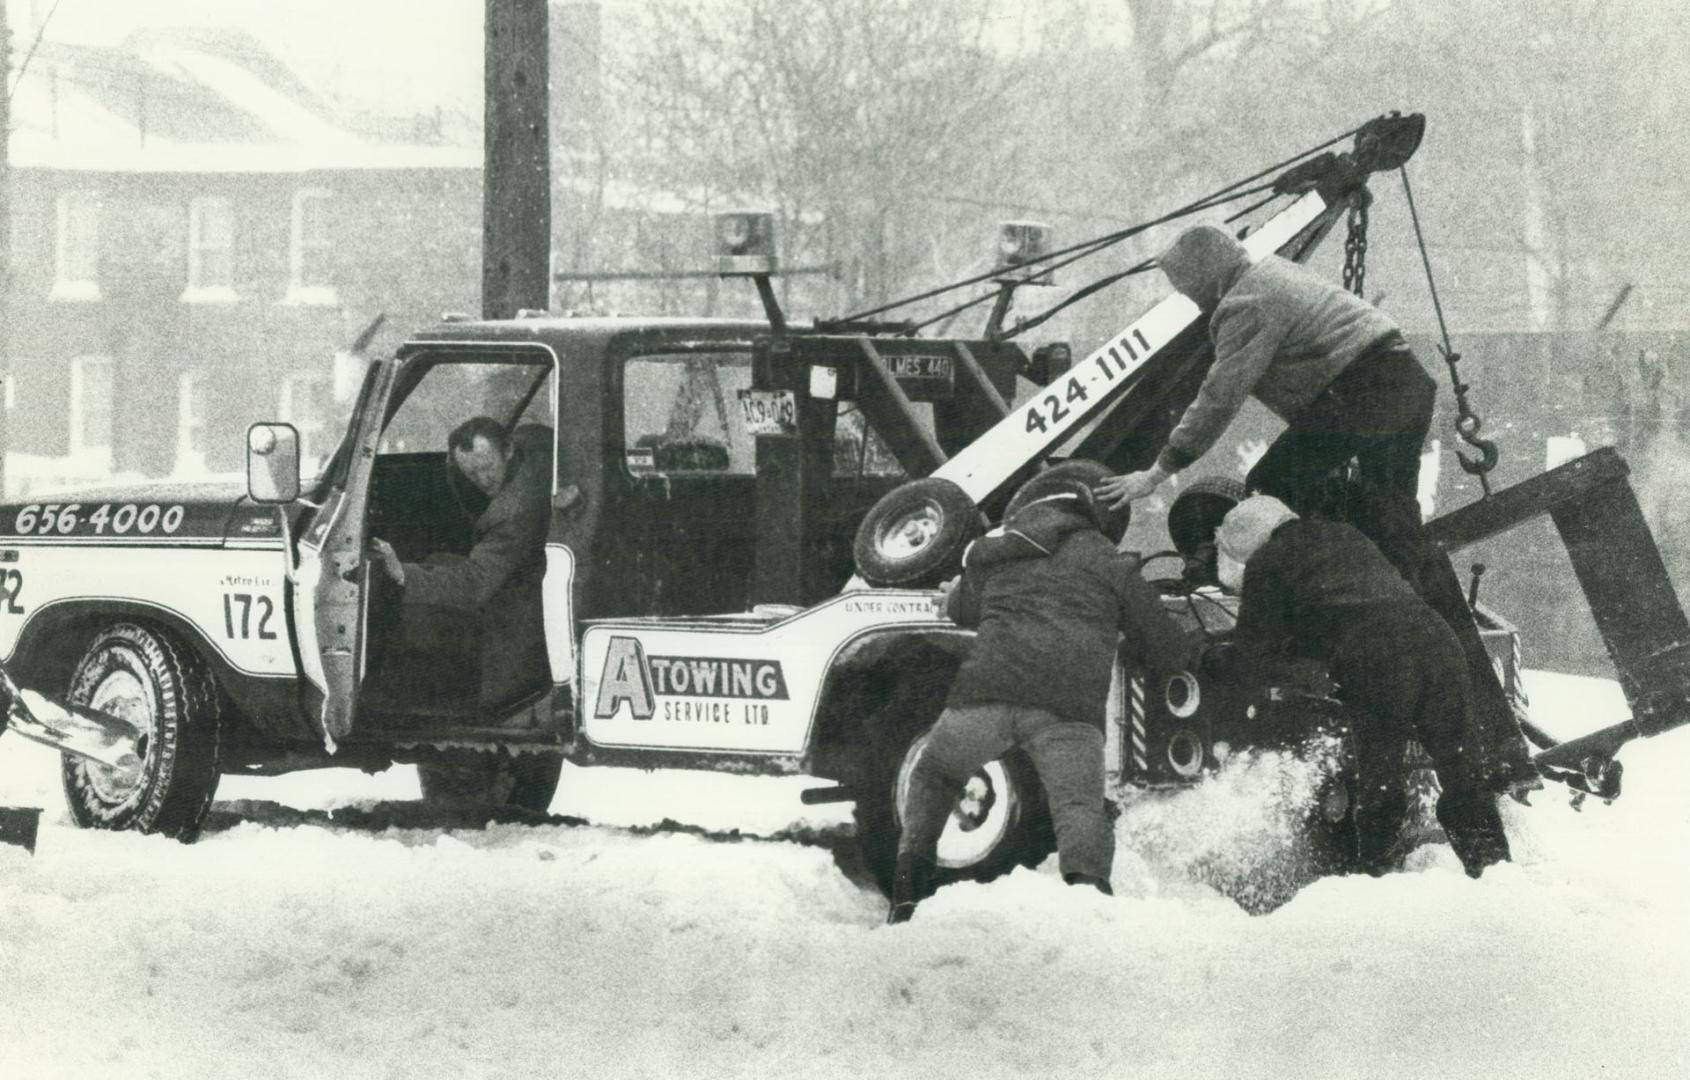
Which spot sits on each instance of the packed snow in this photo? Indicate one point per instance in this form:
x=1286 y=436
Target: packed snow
x=323 y=926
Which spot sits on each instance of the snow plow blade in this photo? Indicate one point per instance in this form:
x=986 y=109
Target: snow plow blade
x=1620 y=571
x=71 y=729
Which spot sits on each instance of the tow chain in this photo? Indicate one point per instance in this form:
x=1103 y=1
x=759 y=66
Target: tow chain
x=1467 y=421
x=1355 y=249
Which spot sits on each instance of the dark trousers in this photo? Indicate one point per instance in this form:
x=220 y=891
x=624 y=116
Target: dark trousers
x=1392 y=522
x=1377 y=411
x=1067 y=754
x=1401 y=673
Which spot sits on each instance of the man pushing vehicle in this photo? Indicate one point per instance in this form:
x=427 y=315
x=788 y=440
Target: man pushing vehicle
x=1332 y=366
x=1337 y=370
x=1320 y=590
x=1051 y=598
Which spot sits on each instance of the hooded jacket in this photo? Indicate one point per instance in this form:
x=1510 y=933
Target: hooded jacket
x=1051 y=598
x=1281 y=332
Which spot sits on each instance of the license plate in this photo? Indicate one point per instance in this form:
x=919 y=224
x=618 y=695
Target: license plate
x=919 y=367
x=769 y=412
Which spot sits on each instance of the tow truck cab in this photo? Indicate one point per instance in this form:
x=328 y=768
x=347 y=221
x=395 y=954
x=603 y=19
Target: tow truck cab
x=666 y=502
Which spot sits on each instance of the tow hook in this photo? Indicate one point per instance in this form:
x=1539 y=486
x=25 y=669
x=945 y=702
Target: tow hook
x=104 y=739
x=72 y=729
x=1598 y=776
x=818 y=796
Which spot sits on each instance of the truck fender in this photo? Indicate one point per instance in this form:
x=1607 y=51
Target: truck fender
x=53 y=641
x=888 y=678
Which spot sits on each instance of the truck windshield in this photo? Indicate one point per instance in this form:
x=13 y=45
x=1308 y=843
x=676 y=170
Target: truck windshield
x=682 y=415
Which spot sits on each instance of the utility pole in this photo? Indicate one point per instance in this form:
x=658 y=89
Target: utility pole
x=5 y=231
x=516 y=214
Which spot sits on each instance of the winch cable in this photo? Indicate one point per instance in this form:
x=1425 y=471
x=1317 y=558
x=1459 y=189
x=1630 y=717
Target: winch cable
x=1467 y=422
x=1075 y=252
x=1008 y=275
x=1023 y=325
x=950 y=312
x=1222 y=195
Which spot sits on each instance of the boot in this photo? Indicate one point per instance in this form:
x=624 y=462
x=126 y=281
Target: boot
x=912 y=882
x=1100 y=884
x=1474 y=827
x=1380 y=846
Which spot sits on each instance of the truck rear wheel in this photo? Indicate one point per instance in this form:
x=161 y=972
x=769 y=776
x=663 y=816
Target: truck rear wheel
x=492 y=780
x=1000 y=822
x=149 y=678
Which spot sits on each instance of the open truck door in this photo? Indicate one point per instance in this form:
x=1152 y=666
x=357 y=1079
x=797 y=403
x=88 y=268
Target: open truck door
x=328 y=574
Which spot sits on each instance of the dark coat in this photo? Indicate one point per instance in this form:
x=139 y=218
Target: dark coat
x=1321 y=590
x=498 y=583
x=1051 y=598
x=1312 y=586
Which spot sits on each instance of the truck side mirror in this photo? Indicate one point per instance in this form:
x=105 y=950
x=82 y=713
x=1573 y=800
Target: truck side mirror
x=272 y=463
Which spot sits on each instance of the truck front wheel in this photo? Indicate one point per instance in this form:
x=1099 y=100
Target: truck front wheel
x=151 y=679
x=1000 y=821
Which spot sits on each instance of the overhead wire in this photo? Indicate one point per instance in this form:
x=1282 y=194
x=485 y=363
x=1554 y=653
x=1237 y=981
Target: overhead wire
x=1081 y=251
x=1024 y=325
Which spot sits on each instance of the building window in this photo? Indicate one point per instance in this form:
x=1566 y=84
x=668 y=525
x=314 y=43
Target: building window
x=77 y=247
x=311 y=281
x=305 y=404
x=90 y=404
x=211 y=251
x=190 y=423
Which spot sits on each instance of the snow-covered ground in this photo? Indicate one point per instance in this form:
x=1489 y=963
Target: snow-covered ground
x=284 y=944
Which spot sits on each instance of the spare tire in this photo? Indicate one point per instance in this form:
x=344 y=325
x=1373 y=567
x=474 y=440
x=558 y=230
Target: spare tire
x=1197 y=511
x=915 y=535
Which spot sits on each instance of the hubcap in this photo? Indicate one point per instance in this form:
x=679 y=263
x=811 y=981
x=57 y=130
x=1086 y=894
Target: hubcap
x=912 y=531
x=981 y=819
x=125 y=696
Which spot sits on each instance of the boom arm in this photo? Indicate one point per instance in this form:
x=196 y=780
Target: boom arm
x=1084 y=402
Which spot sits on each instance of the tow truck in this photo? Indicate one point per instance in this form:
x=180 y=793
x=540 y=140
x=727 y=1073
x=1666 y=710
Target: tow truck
x=747 y=525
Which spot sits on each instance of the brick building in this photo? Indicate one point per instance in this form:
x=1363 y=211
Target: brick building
x=195 y=235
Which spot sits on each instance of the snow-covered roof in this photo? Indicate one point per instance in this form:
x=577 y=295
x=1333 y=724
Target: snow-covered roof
x=194 y=102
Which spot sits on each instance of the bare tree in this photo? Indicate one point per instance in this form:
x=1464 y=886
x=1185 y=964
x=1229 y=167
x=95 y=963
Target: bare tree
x=852 y=120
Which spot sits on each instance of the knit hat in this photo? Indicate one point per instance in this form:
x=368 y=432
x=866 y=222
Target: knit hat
x=1244 y=530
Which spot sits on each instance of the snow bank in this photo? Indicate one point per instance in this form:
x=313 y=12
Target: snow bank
x=350 y=948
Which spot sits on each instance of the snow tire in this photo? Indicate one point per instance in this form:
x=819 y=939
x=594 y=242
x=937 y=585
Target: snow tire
x=1197 y=511
x=914 y=537
x=148 y=676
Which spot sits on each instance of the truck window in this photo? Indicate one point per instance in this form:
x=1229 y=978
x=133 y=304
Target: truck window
x=450 y=393
x=858 y=450
x=681 y=414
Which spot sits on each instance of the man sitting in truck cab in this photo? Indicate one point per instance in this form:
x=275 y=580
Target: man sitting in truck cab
x=497 y=584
